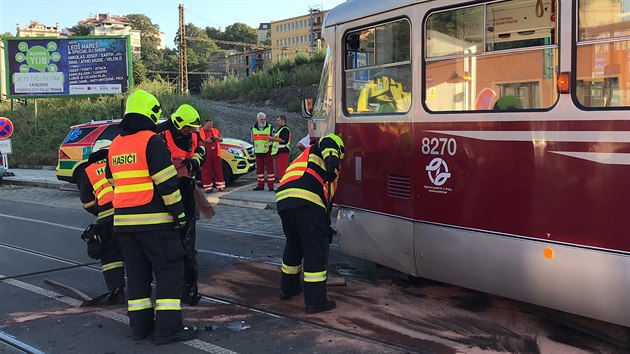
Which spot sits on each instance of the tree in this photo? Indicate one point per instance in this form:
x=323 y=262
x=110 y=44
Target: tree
x=139 y=72
x=152 y=57
x=82 y=29
x=237 y=32
x=240 y=32
x=5 y=35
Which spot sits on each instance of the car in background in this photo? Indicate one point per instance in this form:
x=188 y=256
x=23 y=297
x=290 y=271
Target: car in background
x=237 y=155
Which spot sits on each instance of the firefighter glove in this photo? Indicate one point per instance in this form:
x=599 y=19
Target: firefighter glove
x=181 y=221
x=192 y=165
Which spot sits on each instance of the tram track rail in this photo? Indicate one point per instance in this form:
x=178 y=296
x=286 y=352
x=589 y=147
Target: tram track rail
x=71 y=264
x=91 y=266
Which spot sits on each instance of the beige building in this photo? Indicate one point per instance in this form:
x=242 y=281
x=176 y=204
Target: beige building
x=117 y=28
x=302 y=33
x=36 y=29
x=112 y=25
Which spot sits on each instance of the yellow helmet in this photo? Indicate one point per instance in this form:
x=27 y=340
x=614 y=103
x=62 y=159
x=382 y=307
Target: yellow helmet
x=184 y=116
x=339 y=141
x=144 y=103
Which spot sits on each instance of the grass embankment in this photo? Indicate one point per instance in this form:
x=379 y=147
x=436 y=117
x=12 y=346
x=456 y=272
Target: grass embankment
x=300 y=71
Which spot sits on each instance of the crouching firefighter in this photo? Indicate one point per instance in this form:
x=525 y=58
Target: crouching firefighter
x=304 y=200
x=147 y=213
x=187 y=154
x=96 y=194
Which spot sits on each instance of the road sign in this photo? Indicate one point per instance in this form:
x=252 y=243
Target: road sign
x=5 y=146
x=484 y=99
x=6 y=128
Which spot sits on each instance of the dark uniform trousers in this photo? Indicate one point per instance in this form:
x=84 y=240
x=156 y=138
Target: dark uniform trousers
x=112 y=260
x=189 y=236
x=160 y=251
x=306 y=230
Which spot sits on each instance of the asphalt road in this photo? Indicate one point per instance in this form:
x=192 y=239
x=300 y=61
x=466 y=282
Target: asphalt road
x=379 y=311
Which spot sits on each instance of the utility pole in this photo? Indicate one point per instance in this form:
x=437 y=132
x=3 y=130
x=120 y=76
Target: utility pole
x=183 y=63
x=312 y=24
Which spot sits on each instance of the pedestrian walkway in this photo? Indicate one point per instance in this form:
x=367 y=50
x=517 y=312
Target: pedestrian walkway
x=239 y=194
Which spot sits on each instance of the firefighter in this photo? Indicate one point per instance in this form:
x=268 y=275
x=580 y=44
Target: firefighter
x=280 y=149
x=214 y=164
x=148 y=210
x=96 y=195
x=304 y=201
x=187 y=154
x=261 y=138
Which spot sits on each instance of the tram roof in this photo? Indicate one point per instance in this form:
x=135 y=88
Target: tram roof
x=353 y=9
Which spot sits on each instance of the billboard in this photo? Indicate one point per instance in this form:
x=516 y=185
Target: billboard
x=72 y=66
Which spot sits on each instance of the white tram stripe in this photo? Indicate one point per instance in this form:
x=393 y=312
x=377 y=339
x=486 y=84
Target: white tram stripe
x=542 y=136
x=607 y=158
x=195 y=343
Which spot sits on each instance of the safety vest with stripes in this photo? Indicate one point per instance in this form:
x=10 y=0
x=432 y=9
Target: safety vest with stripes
x=261 y=139
x=103 y=190
x=298 y=168
x=276 y=146
x=176 y=151
x=133 y=185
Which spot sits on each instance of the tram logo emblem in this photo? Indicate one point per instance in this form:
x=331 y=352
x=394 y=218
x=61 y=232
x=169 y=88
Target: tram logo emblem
x=437 y=170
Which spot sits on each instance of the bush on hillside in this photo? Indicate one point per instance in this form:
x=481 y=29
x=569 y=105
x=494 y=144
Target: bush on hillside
x=301 y=70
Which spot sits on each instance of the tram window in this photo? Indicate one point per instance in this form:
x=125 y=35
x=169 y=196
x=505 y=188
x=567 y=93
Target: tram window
x=378 y=69
x=601 y=67
x=470 y=72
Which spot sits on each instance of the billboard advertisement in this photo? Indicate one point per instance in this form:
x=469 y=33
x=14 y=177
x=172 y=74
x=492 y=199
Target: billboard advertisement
x=72 y=66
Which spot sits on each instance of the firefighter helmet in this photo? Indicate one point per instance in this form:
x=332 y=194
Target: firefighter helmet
x=339 y=141
x=144 y=103
x=184 y=116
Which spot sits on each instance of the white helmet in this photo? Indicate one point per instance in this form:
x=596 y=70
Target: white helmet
x=101 y=145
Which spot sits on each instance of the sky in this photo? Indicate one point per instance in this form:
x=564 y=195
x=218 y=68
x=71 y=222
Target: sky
x=201 y=13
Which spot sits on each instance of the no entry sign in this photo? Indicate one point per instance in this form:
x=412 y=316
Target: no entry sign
x=6 y=128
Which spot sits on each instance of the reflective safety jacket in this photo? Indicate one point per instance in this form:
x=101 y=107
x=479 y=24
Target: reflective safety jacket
x=146 y=193
x=194 y=150
x=283 y=133
x=307 y=179
x=261 y=138
x=214 y=146
x=97 y=193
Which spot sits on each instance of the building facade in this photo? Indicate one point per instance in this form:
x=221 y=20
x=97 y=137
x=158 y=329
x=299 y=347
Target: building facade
x=264 y=32
x=292 y=35
x=111 y=25
x=37 y=29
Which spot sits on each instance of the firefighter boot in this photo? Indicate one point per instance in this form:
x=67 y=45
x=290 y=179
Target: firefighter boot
x=116 y=296
x=329 y=305
x=289 y=286
x=186 y=334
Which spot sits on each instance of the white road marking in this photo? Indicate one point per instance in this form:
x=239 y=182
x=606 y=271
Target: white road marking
x=195 y=343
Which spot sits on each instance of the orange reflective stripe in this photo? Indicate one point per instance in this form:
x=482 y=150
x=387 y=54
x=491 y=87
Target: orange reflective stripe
x=297 y=168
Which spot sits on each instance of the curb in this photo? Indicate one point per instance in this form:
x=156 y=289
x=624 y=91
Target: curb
x=212 y=199
x=40 y=184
